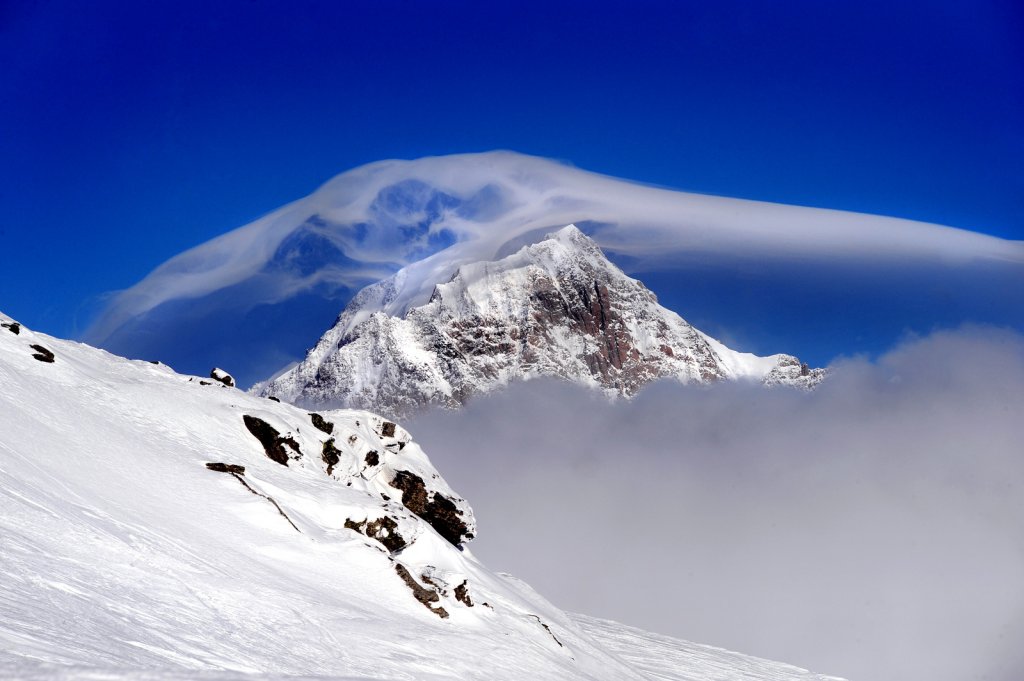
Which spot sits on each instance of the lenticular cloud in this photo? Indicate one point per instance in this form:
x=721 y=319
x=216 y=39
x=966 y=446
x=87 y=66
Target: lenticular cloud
x=282 y=278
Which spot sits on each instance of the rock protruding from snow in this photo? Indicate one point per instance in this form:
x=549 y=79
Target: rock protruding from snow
x=222 y=376
x=557 y=308
x=145 y=526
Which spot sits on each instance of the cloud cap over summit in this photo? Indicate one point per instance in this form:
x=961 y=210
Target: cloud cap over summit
x=284 y=277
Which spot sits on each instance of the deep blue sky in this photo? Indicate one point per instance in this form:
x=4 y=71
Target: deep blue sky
x=131 y=131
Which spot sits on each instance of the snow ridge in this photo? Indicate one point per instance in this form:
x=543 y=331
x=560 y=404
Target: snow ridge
x=161 y=526
x=556 y=308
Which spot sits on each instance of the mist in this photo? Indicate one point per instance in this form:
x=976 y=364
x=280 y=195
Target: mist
x=302 y=263
x=872 y=529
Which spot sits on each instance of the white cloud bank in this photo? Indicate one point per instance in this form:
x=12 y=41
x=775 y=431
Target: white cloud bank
x=873 y=529
x=474 y=204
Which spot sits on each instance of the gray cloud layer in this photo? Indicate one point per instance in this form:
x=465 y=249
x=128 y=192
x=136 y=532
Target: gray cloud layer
x=873 y=529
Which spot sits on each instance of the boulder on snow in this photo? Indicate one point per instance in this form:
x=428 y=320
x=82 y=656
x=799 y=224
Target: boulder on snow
x=222 y=376
x=13 y=327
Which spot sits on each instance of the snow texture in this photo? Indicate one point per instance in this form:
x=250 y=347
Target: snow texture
x=151 y=529
x=557 y=308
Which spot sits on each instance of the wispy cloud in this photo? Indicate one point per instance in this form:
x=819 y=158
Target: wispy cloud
x=871 y=529
x=386 y=215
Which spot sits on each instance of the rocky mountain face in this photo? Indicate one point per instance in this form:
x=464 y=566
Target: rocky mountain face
x=557 y=308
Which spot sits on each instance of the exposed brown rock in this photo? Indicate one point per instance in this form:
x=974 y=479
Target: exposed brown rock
x=462 y=594
x=271 y=397
x=273 y=444
x=226 y=468
x=384 y=530
x=372 y=458
x=425 y=596
x=320 y=423
x=438 y=510
x=331 y=455
x=13 y=327
x=387 y=429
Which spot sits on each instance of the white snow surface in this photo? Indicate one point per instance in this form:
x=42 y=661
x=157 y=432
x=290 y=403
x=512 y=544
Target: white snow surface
x=125 y=557
x=556 y=308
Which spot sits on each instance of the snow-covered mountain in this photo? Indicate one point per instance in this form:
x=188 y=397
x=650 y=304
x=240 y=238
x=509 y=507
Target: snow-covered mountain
x=254 y=298
x=161 y=526
x=556 y=308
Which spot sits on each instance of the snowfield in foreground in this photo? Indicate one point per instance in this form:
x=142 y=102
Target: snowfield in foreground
x=161 y=526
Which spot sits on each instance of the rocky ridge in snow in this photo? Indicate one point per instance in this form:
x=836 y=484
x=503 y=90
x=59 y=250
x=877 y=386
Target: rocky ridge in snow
x=556 y=308
x=162 y=526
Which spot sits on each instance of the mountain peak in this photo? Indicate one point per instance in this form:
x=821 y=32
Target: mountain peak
x=570 y=235
x=556 y=308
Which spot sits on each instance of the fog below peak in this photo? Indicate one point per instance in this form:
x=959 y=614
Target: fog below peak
x=872 y=529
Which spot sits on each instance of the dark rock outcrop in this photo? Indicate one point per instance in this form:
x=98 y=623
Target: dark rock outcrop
x=273 y=443
x=425 y=596
x=320 y=423
x=13 y=327
x=384 y=530
x=331 y=455
x=42 y=354
x=438 y=510
x=226 y=468
x=462 y=594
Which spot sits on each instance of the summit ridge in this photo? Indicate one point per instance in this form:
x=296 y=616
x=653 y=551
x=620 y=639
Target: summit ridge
x=556 y=308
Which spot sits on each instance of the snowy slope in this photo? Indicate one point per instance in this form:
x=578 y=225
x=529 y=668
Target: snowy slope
x=670 y=659
x=126 y=556
x=555 y=308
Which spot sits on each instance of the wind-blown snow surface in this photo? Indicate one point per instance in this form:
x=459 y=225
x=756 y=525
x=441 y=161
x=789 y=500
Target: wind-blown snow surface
x=125 y=556
x=258 y=295
x=557 y=308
